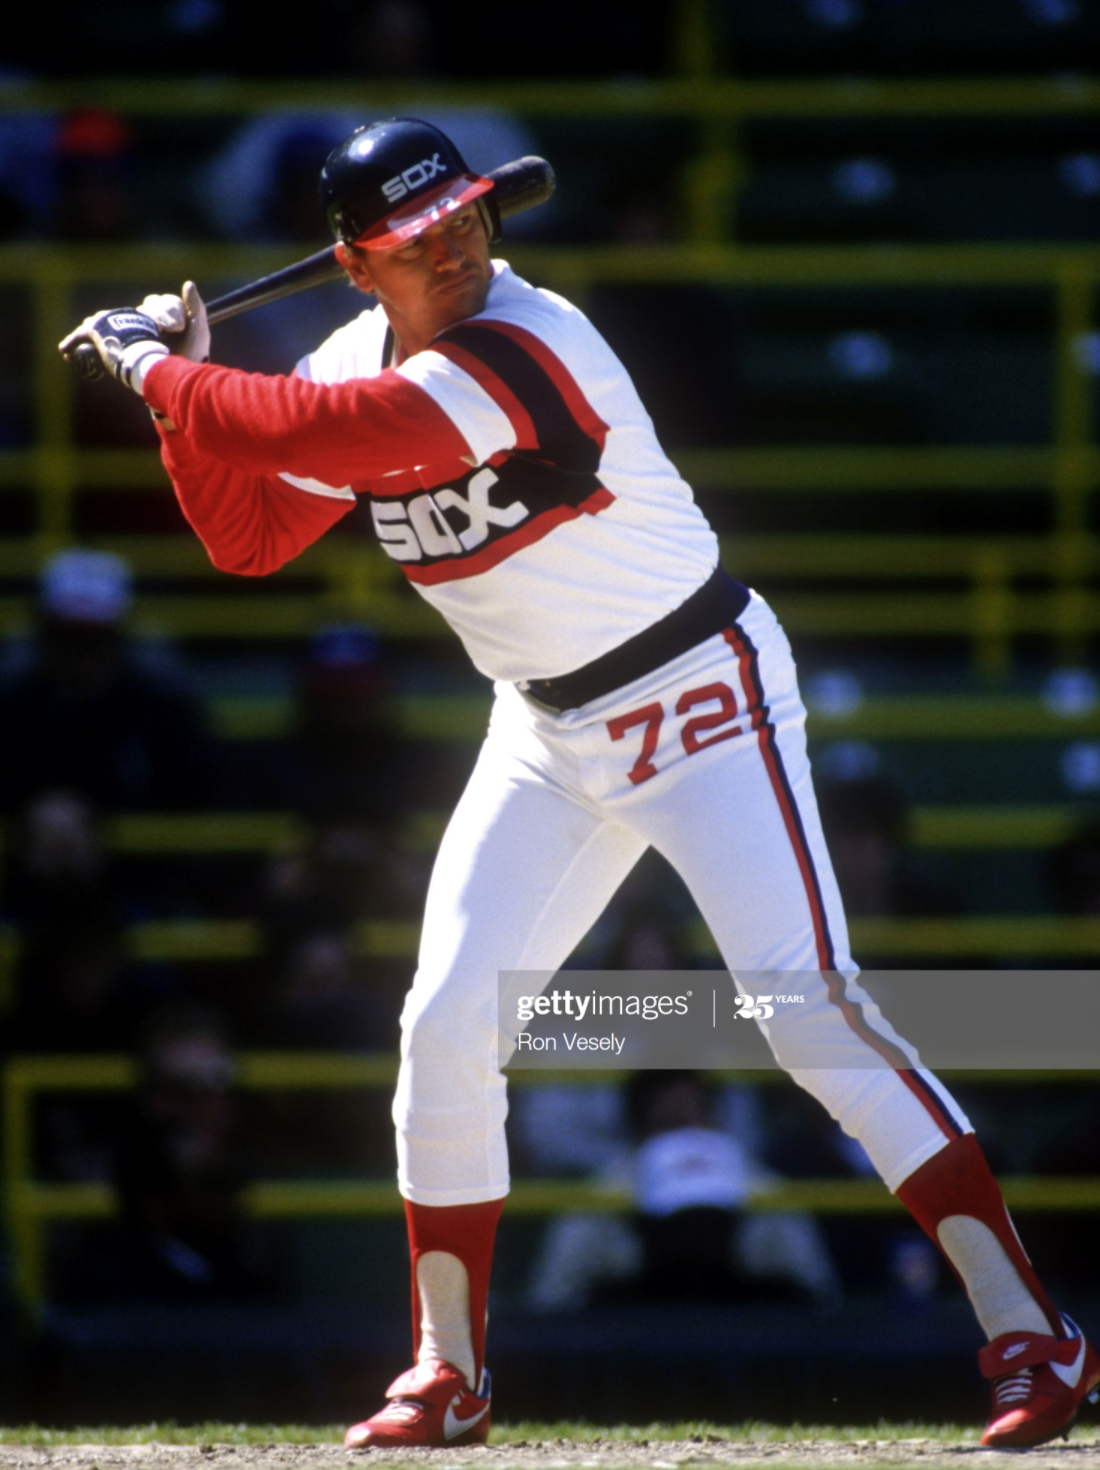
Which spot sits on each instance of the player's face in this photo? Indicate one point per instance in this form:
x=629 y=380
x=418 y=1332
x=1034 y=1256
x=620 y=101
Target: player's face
x=432 y=281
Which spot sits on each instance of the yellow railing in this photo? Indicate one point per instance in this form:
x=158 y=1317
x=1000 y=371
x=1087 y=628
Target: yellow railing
x=695 y=97
x=1002 y=937
x=871 y=717
x=30 y=1206
x=181 y=834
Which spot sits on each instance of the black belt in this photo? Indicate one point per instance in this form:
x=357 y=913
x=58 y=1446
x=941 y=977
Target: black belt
x=717 y=603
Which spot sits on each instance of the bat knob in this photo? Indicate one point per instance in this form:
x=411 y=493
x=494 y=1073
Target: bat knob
x=87 y=362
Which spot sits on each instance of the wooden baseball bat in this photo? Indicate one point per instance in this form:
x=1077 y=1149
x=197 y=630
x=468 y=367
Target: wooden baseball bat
x=517 y=186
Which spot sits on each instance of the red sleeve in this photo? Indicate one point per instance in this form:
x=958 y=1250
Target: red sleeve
x=250 y=524
x=333 y=432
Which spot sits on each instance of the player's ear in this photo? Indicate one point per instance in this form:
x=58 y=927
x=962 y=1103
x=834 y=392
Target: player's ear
x=355 y=263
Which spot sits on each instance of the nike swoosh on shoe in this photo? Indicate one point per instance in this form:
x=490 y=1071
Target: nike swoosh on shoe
x=453 y=1426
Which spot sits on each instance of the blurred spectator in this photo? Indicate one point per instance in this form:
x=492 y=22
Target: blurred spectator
x=70 y=975
x=560 y=1129
x=70 y=175
x=690 y=1236
x=348 y=774
x=317 y=989
x=326 y=887
x=351 y=777
x=93 y=151
x=180 y=1171
x=324 y=998
x=346 y=760
x=262 y=185
x=395 y=38
x=84 y=711
x=294 y=209
x=866 y=826
x=26 y=181
x=76 y=988
x=319 y=1005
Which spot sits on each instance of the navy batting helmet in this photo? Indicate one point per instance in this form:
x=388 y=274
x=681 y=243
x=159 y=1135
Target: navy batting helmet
x=389 y=181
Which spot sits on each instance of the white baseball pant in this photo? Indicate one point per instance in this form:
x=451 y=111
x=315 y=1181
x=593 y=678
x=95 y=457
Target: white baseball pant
x=705 y=760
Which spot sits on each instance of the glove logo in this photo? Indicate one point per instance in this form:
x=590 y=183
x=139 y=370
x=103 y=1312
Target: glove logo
x=120 y=321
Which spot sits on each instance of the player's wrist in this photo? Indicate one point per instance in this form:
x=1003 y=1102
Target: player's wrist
x=135 y=361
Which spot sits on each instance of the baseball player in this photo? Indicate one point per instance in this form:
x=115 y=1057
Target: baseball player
x=643 y=696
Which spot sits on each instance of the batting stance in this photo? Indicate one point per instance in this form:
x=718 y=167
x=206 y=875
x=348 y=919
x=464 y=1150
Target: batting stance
x=643 y=697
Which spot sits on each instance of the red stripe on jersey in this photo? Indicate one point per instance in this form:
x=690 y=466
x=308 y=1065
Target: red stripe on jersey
x=454 y=569
x=562 y=379
x=497 y=389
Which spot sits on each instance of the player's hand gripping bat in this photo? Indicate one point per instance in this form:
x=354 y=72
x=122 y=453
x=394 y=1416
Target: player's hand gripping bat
x=518 y=186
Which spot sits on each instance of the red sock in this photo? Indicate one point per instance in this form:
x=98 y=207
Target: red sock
x=957 y=1181
x=468 y=1232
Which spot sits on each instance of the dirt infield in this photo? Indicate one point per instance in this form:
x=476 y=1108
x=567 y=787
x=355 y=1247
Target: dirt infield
x=1081 y=1453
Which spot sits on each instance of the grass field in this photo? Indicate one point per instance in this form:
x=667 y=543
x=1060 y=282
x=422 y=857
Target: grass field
x=523 y=1433
x=566 y=1445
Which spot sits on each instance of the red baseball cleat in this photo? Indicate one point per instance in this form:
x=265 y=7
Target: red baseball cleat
x=428 y=1407
x=1038 y=1385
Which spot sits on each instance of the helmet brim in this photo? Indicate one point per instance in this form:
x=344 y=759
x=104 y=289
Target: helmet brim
x=416 y=215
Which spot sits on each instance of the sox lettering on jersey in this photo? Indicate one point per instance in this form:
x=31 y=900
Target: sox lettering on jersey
x=419 y=529
x=463 y=528
x=475 y=505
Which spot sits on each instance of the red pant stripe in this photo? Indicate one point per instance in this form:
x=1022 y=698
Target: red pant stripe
x=852 y=1011
x=758 y=712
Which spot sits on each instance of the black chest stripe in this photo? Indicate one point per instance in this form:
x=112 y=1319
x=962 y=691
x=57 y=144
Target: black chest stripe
x=561 y=439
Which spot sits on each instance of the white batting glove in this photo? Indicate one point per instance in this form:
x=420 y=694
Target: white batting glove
x=168 y=312
x=182 y=319
x=126 y=341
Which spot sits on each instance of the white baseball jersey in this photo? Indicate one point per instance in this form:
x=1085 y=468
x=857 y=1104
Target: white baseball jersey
x=568 y=531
